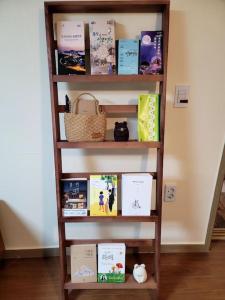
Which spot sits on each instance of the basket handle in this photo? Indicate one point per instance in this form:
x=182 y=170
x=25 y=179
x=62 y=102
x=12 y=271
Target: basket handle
x=78 y=99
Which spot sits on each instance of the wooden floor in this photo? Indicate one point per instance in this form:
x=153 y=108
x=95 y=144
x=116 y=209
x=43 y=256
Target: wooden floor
x=184 y=277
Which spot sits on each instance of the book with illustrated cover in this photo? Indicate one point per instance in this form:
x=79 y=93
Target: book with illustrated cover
x=103 y=195
x=71 y=47
x=148 y=118
x=151 y=51
x=136 y=194
x=83 y=263
x=128 y=53
x=102 y=47
x=74 y=197
x=111 y=262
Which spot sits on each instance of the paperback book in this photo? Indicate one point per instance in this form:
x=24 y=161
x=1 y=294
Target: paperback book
x=83 y=263
x=102 y=47
x=136 y=194
x=148 y=118
x=151 y=52
x=74 y=196
x=71 y=47
x=128 y=53
x=111 y=263
x=103 y=195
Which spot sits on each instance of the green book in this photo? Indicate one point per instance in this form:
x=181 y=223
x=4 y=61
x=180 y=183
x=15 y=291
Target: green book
x=148 y=118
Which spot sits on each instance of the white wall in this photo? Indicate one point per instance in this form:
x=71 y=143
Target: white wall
x=193 y=142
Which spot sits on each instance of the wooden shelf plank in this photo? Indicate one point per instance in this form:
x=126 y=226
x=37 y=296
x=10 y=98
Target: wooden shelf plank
x=119 y=218
x=87 y=174
x=106 y=6
x=129 y=242
x=107 y=78
x=129 y=284
x=112 y=110
x=132 y=144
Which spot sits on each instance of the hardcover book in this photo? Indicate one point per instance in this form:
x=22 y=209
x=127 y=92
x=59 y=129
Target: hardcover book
x=103 y=195
x=128 y=53
x=151 y=52
x=111 y=263
x=102 y=47
x=71 y=47
x=136 y=194
x=74 y=196
x=148 y=118
x=83 y=263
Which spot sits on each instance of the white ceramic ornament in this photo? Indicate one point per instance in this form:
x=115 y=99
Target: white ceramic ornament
x=139 y=273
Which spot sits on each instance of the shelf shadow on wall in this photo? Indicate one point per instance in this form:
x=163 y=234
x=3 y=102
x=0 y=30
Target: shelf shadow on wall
x=17 y=230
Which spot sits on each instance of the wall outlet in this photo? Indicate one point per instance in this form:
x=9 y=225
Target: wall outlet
x=170 y=193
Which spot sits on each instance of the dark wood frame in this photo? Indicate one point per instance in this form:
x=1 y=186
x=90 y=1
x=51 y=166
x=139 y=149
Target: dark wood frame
x=162 y=6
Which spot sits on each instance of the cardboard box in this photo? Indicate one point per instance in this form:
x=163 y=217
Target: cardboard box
x=111 y=263
x=83 y=263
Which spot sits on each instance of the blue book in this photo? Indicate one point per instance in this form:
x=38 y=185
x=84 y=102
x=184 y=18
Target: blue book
x=128 y=54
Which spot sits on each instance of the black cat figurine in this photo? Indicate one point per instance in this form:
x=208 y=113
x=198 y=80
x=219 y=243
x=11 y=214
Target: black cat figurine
x=121 y=132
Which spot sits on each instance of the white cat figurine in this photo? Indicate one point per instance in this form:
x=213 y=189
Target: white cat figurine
x=139 y=273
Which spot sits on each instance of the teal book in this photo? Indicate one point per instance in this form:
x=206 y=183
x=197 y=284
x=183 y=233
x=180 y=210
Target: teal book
x=128 y=53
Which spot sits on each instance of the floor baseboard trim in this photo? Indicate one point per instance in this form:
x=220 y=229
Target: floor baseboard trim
x=51 y=252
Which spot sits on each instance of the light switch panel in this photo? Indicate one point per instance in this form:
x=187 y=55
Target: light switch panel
x=181 y=98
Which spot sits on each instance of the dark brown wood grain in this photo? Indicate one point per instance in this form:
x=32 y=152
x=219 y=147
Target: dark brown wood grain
x=107 y=78
x=197 y=276
x=119 y=218
x=106 y=6
x=108 y=145
x=111 y=110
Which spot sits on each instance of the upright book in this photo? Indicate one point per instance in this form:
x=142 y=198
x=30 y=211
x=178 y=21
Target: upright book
x=151 y=52
x=128 y=54
x=74 y=197
x=148 y=117
x=136 y=194
x=102 y=47
x=71 y=47
x=111 y=262
x=103 y=195
x=83 y=263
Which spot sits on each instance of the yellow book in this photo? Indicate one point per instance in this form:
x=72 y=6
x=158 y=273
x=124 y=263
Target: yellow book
x=103 y=195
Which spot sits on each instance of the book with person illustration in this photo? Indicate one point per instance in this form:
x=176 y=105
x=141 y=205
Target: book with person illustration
x=103 y=195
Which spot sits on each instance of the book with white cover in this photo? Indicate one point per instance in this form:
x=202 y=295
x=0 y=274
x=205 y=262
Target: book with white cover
x=136 y=194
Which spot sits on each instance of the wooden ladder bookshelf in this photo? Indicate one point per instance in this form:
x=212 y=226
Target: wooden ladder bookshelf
x=123 y=6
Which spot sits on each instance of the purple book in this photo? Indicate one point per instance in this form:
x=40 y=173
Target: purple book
x=151 y=52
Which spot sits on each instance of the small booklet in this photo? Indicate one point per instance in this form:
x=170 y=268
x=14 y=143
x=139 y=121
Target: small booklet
x=83 y=263
x=74 y=197
x=136 y=194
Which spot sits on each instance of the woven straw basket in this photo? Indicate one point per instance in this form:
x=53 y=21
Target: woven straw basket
x=85 y=128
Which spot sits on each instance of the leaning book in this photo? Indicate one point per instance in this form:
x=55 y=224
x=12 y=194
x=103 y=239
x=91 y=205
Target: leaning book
x=148 y=117
x=71 y=47
x=136 y=194
x=103 y=195
x=83 y=263
x=128 y=52
x=102 y=47
x=74 y=197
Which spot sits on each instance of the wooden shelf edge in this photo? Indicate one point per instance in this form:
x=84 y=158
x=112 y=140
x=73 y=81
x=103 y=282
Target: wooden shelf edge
x=87 y=174
x=152 y=218
x=108 y=145
x=128 y=242
x=107 y=78
x=129 y=284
